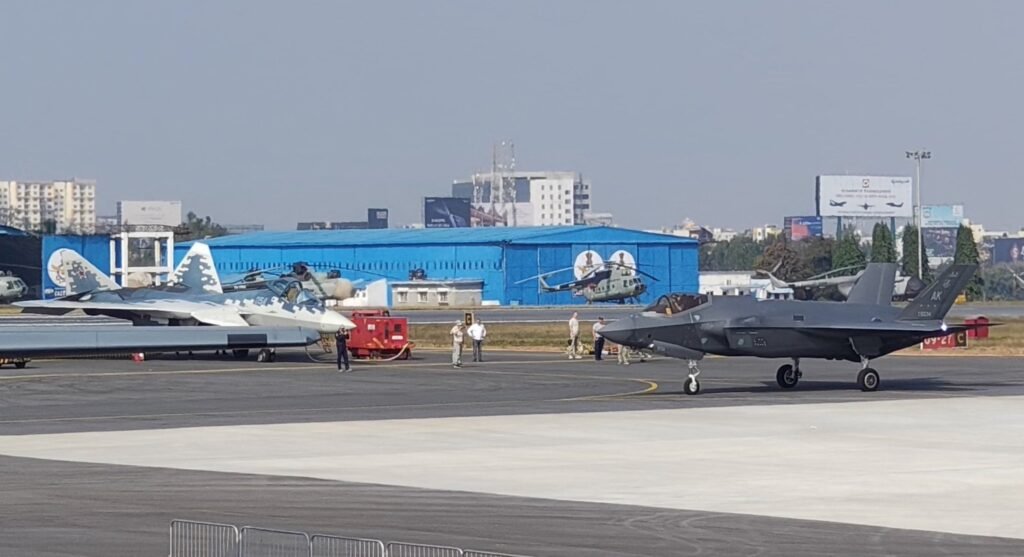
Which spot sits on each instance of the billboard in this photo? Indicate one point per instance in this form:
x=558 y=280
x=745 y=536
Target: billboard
x=939 y=242
x=1008 y=250
x=149 y=213
x=96 y=249
x=941 y=216
x=865 y=196
x=798 y=228
x=445 y=212
x=514 y=214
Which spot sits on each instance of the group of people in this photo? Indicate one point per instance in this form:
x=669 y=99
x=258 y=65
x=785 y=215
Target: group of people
x=476 y=333
x=575 y=347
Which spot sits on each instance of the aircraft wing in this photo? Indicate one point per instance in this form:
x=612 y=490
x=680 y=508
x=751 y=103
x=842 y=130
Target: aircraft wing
x=35 y=342
x=208 y=314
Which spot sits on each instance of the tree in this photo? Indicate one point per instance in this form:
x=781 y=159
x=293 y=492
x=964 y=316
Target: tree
x=738 y=254
x=967 y=253
x=883 y=249
x=1000 y=284
x=196 y=228
x=909 y=264
x=847 y=254
x=816 y=254
x=779 y=253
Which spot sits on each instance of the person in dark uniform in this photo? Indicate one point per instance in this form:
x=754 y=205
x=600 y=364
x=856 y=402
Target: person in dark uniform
x=341 y=345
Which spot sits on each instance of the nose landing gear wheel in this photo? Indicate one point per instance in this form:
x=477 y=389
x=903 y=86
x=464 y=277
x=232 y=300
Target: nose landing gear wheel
x=691 y=386
x=868 y=379
x=787 y=376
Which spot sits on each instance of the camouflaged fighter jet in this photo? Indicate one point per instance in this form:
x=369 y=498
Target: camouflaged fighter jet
x=861 y=329
x=192 y=296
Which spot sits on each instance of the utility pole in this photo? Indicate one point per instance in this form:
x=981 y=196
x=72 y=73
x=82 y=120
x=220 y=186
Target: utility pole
x=917 y=156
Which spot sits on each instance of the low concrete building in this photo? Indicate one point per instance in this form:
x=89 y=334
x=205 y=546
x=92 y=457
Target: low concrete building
x=436 y=293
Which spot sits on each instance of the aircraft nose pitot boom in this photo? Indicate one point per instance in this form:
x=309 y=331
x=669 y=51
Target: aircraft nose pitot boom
x=332 y=321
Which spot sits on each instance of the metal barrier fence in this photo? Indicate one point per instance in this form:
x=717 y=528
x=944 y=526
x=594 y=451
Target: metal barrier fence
x=203 y=539
x=208 y=539
x=263 y=542
x=336 y=546
x=400 y=549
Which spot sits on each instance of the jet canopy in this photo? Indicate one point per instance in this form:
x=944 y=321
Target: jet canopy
x=292 y=291
x=669 y=304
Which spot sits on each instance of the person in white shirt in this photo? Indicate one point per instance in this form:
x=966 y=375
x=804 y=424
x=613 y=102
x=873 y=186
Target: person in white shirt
x=574 y=337
x=458 y=336
x=598 y=339
x=477 y=333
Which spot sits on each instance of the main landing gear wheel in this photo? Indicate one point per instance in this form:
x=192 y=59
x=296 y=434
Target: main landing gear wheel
x=868 y=379
x=787 y=376
x=265 y=355
x=691 y=386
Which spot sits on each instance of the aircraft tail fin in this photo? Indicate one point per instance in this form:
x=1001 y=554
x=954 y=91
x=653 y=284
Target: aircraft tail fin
x=875 y=285
x=934 y=302
x=197 y=272
x=80 y=276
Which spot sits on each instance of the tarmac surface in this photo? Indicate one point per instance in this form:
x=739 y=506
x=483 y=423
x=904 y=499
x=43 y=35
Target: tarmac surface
x=524 y=453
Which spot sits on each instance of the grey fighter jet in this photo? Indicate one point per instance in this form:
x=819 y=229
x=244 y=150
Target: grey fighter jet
x=861 y=329
x=193 y=296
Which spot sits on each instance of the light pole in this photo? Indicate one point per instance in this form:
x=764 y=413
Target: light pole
x=917 y=156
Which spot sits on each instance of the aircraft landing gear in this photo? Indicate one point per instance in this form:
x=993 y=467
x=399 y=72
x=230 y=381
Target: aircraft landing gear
x=692 y=386
x=789 y=374
x=240 y=354
x=867 y=379
x=266 y=355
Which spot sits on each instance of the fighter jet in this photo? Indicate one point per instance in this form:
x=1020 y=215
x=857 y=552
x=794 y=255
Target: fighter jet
x=193 y=296
x=865 y=206
x=861 y=329
x=894 y=204
x=834 y=203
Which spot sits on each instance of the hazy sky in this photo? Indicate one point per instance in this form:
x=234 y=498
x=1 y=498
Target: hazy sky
x=723 y=111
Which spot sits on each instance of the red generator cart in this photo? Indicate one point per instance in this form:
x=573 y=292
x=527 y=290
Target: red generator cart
x=379 y=335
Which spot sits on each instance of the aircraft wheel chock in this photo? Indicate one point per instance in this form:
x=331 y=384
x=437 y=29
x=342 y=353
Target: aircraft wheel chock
x=691 y=386
x=868 y=379
x=787 y=376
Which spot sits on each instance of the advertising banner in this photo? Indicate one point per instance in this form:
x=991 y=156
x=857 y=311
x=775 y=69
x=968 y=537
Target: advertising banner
x=445 y=212
x=798 y=228
x=149 y=213
x=96 y=249
x=941 y=216
x=939 y=242
x=1008 y=250
x=865 y=196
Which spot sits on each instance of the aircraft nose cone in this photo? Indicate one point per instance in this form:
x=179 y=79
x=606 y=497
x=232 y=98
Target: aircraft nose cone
x=332 y=321
x=621 y=331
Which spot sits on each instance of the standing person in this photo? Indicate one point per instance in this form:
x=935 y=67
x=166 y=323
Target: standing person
x=458 y=336
x=574 y=337
x=477 y=332
x=598 y=339
x=623 y=355
x=341 y=345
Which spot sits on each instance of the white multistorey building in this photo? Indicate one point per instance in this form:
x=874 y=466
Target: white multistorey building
x=63 y=205
x=552 y=198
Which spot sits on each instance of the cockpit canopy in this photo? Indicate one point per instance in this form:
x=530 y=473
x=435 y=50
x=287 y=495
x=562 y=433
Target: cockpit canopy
x=670 y=304
x=291 y=291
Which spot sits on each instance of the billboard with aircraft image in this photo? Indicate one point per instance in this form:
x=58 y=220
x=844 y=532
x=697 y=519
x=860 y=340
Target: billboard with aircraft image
x=865 y=196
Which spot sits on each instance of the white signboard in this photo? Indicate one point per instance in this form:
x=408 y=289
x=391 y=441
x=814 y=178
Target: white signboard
x=865 y=196
x=135 y=213
x=941 y=216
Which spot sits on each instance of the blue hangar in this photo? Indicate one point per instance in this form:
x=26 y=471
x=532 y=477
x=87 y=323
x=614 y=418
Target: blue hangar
x=503 y=258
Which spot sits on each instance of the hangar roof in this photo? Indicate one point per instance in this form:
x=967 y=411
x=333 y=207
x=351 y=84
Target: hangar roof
x=436 y=236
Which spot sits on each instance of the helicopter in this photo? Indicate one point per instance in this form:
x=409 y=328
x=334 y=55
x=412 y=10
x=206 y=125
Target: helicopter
x=323 y=285
x=11 y=287
x=608 y=282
